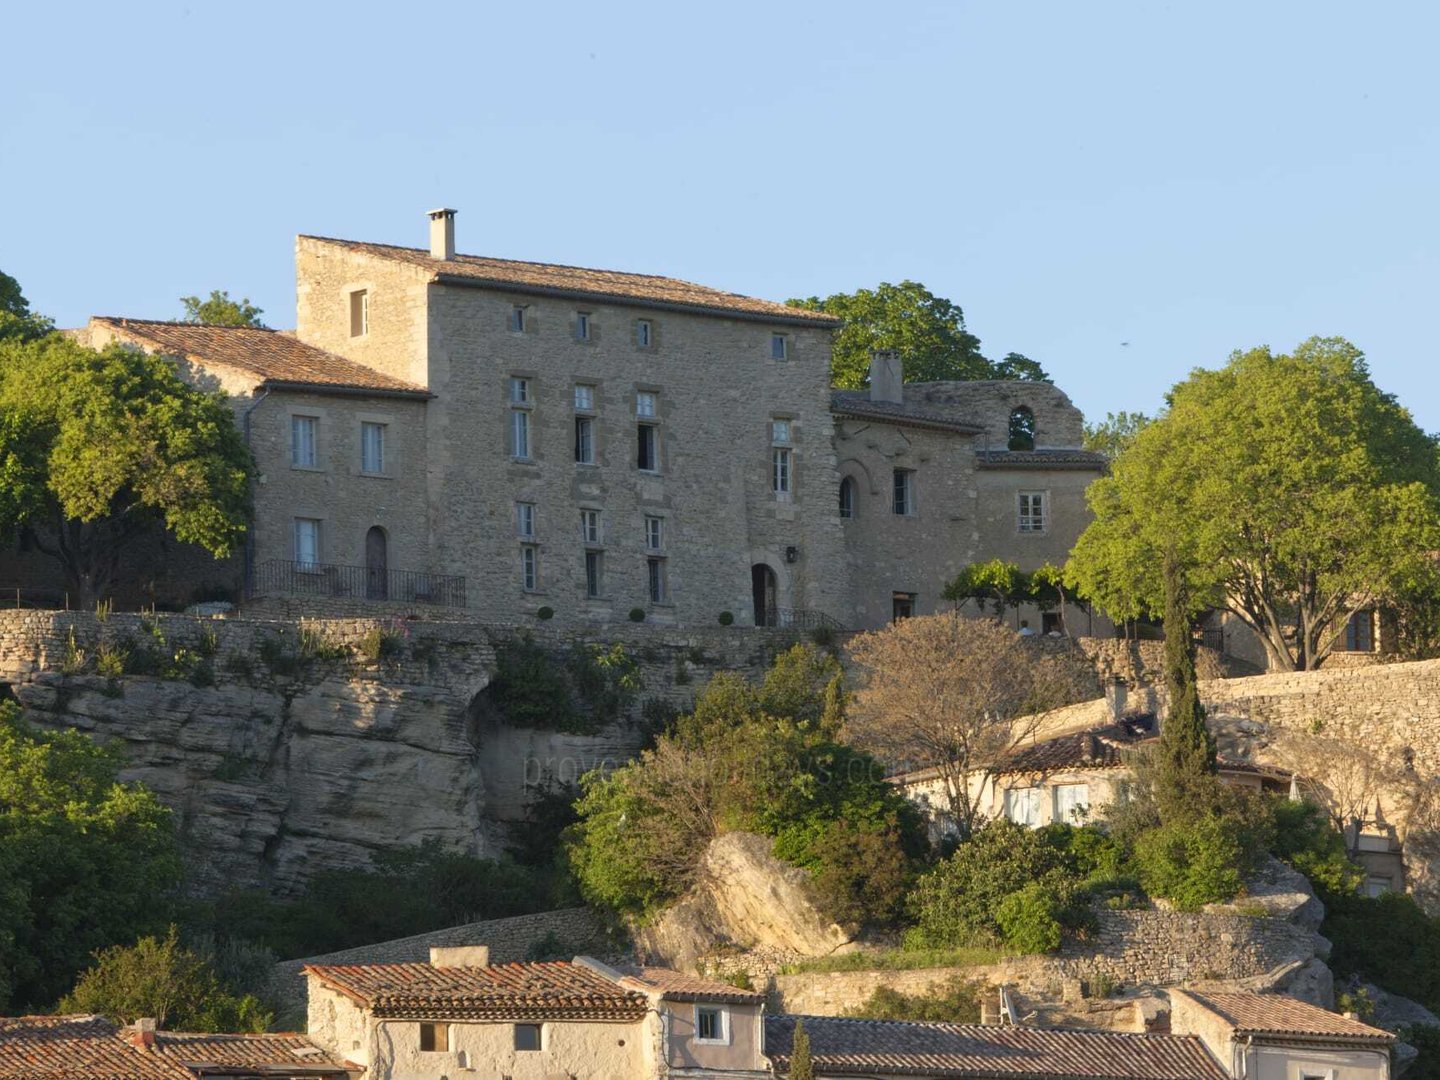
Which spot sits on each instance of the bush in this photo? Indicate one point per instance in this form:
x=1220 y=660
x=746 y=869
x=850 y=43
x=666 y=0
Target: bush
x=1029 y=919
x=957 y=1002
x=1193 y=863
x=545 y=613
x=637 y=614
x=859 y=875
x=1305 y=839
x=1387 y=940
x=380 y=643
x=1426 y=1039
x=726 y=618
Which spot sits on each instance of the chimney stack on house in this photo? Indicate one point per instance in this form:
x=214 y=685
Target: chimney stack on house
x=887 y=381
x=142 y=1036
x=460 y=956
x=442 y=234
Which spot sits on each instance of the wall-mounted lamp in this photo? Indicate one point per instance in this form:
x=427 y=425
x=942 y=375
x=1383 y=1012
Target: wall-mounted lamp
x=792 y=554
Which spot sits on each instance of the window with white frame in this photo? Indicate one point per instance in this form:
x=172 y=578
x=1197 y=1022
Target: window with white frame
x=307 y=543
x=359 y=313
x=779 y=347
x=584 y=397
x=525 y=520
x=530 y=567
x=520 y=406
x=654 y=534
x=710 y=1024
x=1072 y=803
x=904 y=485
x=590 y=526
x=644 y=333
x=519 y=391
x=655 y=570
x=1031 y=511
x=304 y=437
x=582 y=326
x=372 y=447
x=645 y=404
x=781 y=468
x=594 y=574
x=584 y=440
x=1022 y=806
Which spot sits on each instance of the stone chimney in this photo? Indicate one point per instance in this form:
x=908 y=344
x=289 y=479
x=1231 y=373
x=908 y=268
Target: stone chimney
x=460 y=956
x=142 y=1035
x=442 y=234
x=1116 y=695
x=887 y=377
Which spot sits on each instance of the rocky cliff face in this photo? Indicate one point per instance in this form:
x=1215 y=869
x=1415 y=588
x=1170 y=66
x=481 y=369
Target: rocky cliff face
x=287 y=749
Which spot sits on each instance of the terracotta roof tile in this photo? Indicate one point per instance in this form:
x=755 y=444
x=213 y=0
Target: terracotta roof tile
x=1041 y=459
x=558 y=990
x=275 y=357
x=76 y=1048
x=288 y=1049
x=676 y=986
x=1276 y=1014
x=1098 y=748
x=843 y=1047
x=857 y=403
x=580 y=281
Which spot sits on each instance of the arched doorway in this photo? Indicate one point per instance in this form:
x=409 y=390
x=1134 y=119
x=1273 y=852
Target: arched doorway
x=377 y=577
x=766 y=593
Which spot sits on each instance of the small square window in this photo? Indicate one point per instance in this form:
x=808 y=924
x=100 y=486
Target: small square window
x=593 y=574
x=525 y=520
x=519 y=391
x=359 y=313
x=904 y=492
x=517 y=319
x=654 y=534
x=584 y=398
x=709 y=1024
x=582 y=326
x=304 y=432
x=780 y=431
x=527 y=1037
x=644 y=404
x=644 y=333
x=590 y=526
x=779 y=347
x=647 y=458
x=530 y=568
x=1032 y=511
x=372 y=448
x=435 y=1038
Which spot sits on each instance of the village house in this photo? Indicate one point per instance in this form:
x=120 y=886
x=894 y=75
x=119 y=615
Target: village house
x=503 y=437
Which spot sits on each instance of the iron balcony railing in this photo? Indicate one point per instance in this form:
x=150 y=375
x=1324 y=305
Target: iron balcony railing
x=799 y=619
x=291 y=578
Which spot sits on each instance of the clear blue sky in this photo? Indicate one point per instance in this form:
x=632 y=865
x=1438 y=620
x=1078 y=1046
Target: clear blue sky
x=1187 y=178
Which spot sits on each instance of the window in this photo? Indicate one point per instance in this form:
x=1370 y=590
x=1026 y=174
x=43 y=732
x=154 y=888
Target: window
x=905 y=492
x=372 y=447
x=359 y=313
x=644 y=333
x=525 y=520
x=779 y=347
x=1022 y=429
x=644 y=404
x=902 y=605
x=517 y=319
x=1022 y=806
x=590 y=526
x=709 y=1024
x=656 y=571
x=585 y=440
x=654 y=534
x=520 y=434
x=1378 y=886
x=847 y=497
x=1032 y=511
x=1360 y=632
x=434 y=1037
x=1051 y=623
x=584 y=398
x=519 y=391
x=780 y=432
x=527 y=1036
x=582 y=326
x=780 y=469
x=593 y=574
x=303 y=432
x=530 y=567
x=307 y=543
x=1072 y=803
x=647 y=458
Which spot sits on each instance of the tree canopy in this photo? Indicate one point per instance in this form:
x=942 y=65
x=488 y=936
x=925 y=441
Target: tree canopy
x=1114 y=433
x=1290 y=489
x=98 y=447
x=928 y=332
x=17 y=321
x=219 y=310
x=85 y=861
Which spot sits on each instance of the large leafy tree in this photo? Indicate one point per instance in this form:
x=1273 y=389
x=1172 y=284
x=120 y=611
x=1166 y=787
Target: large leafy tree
x=1291 y=491
x=1113 y=434
x=928 y=332
x=218 y=309
x=17 y=321
x=98 y=448
x=85 y=861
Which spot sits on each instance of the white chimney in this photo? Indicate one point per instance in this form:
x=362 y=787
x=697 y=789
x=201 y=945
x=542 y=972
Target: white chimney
x=442 y=234
x=887 y=377
x=459 y=955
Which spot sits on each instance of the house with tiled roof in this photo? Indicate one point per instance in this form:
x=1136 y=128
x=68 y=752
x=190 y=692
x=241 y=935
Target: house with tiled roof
x=500 y=436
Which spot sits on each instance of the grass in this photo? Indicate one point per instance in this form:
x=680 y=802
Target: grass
x=898 y=960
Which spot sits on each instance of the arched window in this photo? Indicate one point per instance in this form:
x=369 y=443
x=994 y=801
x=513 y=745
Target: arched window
x=847 y=497
x=1022 y=428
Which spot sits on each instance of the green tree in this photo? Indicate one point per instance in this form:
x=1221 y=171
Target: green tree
x=1185 y=781
x=928 y=332
x=161 y=979
x=1115 y=433
x=17 y=321
x=1000 y=583
x=801 y=1066
x=1291 y=490
x=99 y=448
x=84 y=860
x=219 y=310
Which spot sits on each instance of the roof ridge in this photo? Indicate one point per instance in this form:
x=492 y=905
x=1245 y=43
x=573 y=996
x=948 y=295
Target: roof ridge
x=180 y=323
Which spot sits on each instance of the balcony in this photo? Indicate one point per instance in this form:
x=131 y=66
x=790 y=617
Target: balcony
x=281 y=577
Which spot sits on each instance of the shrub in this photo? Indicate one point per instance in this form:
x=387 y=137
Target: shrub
x=859 y=873
x=956 y=1002
x=726 y=618
x=380 y=643
x=548 y=947
x=1426 y=1039
x=545 y=613
x=637 y=614
x=110 y=660
x=1029 y=919
x=1387 y=940
x=1305 y=839
x=1193 y=863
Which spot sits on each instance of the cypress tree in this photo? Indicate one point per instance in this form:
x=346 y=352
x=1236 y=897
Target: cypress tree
x=801 y=1067
x=1185 y=782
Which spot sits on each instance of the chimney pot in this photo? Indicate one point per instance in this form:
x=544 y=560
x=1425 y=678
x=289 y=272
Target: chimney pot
x=143 y=1035
x=442 y=234
x=887 y=377
x=459 y=955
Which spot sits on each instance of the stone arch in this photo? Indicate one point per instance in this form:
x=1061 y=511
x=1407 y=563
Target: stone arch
x=772 y=563
x=1022 y=433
